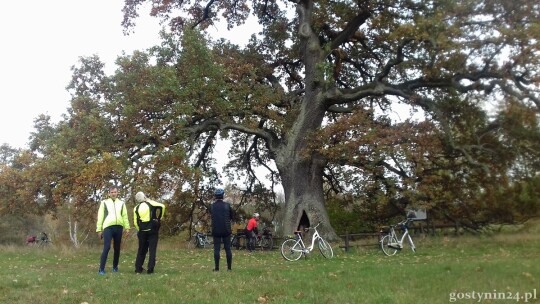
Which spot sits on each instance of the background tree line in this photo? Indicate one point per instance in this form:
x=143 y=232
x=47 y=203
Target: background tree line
x=357 y=109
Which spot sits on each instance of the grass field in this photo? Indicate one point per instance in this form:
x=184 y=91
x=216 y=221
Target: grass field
x=443 y=270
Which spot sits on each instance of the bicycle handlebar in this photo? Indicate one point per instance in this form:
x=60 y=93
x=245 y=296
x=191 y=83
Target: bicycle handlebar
x=312 y=228
x=402 y=222
x=308 y=228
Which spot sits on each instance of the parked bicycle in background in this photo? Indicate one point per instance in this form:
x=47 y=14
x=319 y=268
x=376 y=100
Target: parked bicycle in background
x=391 y=243
x=264 y=241
x=201 y=240
x=42 y=240
x=293 y=248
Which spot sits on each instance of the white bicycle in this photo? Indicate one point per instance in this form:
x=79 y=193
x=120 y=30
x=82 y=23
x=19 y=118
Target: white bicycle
x=293 y=248
x=390 y=243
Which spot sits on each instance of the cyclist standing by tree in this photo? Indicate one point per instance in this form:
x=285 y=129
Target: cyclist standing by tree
x=222 y=215
x=112 y=219
x=252 y=231
x=147 y=217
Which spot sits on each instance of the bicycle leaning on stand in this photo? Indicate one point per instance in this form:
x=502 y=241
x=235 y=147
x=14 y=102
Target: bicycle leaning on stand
x=293 y=248
x=391 y=243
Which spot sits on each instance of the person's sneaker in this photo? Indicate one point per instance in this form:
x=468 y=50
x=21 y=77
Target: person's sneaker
x=101 y=272
x=115 y=269
x=150 y=272
x=215 y=270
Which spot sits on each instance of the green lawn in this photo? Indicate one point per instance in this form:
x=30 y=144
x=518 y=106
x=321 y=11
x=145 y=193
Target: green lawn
x=443 y=269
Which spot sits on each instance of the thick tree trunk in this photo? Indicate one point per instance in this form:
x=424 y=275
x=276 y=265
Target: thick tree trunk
x=301 y=169
x=304 y=199
x=301 y=172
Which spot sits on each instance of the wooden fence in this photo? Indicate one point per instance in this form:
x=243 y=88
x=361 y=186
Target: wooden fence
x=367 y=239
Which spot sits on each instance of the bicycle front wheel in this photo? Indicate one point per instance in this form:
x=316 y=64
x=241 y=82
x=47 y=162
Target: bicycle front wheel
x=234 y=242
x=199 y=243
x=267 y=243
x=325 y=248
x=291 y=250
x=43 y=243
x=389 y=245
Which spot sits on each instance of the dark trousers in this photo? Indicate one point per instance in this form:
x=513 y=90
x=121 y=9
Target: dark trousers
x=251 y=239
x=148 y=241
x=217 y=247
x=113 y=233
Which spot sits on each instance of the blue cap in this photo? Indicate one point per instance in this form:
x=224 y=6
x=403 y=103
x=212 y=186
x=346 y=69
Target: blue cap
x=219 y=192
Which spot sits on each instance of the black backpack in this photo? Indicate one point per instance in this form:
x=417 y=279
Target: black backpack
x=155 y=218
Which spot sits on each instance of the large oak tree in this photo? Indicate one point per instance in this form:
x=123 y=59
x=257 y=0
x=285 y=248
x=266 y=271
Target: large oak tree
x=332 y=73
x=396 y=103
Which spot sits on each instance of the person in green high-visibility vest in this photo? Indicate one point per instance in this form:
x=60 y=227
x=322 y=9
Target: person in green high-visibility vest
x=112 y=223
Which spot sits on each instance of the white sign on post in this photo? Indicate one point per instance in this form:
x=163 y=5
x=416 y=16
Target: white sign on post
x=419 y=214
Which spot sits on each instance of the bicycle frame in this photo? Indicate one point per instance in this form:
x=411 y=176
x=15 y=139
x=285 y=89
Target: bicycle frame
x=314 y=238
x=391 y=243
x=400 y=240
x=265 y=242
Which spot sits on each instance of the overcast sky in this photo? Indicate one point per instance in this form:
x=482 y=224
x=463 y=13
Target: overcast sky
x=41 y=40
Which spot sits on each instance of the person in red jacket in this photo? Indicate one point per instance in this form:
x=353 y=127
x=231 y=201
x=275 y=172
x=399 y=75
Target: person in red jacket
x=252 y=231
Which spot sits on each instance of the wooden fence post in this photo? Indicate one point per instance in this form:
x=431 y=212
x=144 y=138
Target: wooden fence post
x=346 y=240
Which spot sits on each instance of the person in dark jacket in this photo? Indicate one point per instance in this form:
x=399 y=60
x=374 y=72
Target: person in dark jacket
x=222 y=216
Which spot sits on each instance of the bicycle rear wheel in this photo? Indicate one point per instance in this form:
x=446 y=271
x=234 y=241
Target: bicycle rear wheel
x=389 y=245
x=234 y=242
x=240 y=242
x=267 y=243
x=42 y=243
x=291 y=250
x=325 y=248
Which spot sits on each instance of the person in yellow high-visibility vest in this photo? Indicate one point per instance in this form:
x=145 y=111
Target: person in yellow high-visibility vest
x=147 y=217
x=112 y=223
